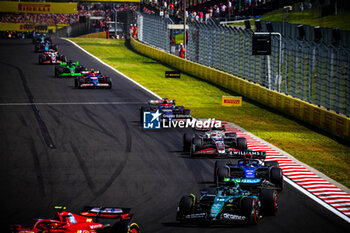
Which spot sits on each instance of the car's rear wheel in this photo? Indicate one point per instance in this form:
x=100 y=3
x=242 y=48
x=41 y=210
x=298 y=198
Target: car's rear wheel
x=142 y=110
x=251 y=210
x=187 y=113
x=217 y=165
x=222 y=173
x=109 y=82
x=186 y=143
x=276 y=177
x=57 y=71
x=269 y=205
x=242 y=144
x=196 y=145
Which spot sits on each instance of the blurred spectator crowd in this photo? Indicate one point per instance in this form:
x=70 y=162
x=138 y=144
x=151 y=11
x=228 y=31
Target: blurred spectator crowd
x=86 y=10
x=202 y=9
x=40 y=19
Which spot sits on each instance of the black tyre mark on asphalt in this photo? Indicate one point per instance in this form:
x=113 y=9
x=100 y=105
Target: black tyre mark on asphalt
x=84 y=169
x=22 y=119
x=43 y=128
x=37 y=168
x=127 y=132
x=127 y=129
x=118 y=170
x=68 y=116
x=92 y=116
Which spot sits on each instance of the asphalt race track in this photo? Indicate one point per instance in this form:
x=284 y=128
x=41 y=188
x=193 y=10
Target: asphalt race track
x=74 y=152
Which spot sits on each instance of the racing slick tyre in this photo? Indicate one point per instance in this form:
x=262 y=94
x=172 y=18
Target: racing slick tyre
x=269 y=205
x=221 y=174
x=186 y=143
x=142 y=110
x=187 y=113
x=64 y=58
x=40 y=60
x=218 y=165
x=196 y=144
x=271 y=164
x=186 y=206
x=242 y=144
x=251 y=210
x=276 y=177
x=57 y=71
x=109 y=82
x=125 y=227
x=78 y=81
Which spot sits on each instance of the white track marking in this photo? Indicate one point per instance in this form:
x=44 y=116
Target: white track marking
x=115 y=70
x=318 y=200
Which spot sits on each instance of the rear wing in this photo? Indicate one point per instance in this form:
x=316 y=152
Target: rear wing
x=107 y=212
x=155 y=102
x=249 y=154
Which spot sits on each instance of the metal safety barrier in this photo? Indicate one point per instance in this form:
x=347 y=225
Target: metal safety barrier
x=314 y=72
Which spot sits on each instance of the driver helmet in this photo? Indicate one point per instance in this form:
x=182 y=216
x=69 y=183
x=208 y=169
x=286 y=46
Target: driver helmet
x=246 y=163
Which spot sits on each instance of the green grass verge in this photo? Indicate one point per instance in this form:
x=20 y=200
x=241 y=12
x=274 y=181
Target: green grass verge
x=310 y=17
x=311 y=147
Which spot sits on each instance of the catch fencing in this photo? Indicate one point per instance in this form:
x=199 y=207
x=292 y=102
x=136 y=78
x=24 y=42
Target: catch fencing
x=314 y=72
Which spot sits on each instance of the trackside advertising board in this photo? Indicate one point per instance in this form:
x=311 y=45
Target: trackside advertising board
x=22 y=27
x=38 y=7
x=232 y=101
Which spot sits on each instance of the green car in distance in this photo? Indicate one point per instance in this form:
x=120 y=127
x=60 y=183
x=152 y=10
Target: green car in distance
x=69 y=69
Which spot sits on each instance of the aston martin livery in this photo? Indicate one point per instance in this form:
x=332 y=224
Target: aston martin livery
x=227 y=205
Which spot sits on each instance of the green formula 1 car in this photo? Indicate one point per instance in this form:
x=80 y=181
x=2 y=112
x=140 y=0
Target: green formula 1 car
x=69 y=69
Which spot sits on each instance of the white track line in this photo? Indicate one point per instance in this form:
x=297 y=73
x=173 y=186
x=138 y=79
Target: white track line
x=318 y=200
x=115 y=70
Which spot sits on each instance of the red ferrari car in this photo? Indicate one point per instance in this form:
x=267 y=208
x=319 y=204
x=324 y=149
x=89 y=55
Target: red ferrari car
x=91 y=220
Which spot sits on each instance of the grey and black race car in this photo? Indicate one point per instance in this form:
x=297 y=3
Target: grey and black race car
x=227 y=205
x=51 y=57
x=213 y=142
x=252 y=172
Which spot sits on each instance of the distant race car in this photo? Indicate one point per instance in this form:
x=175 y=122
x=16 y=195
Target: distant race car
x=88 y=221
x=168 y=109
x=11 y=35
x=45 y=47
x=227 y=205
x=51 y=57
x=215 y=141
x=69 y=69
x=251 y=172
x=41 y=38
x=92 y=78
